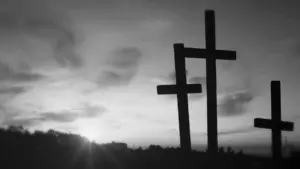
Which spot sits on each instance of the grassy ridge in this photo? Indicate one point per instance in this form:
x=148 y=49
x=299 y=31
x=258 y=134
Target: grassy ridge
x=54 y=150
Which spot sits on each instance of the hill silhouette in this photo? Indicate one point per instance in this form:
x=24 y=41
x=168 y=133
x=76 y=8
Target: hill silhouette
x=57 y=150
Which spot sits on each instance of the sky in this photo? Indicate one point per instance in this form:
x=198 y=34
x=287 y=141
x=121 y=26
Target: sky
x=92 y=67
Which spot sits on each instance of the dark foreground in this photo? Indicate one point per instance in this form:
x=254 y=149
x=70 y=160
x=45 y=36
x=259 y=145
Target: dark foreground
x=20 y=149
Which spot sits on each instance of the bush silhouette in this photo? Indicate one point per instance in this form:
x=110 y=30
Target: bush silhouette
x=53 y=149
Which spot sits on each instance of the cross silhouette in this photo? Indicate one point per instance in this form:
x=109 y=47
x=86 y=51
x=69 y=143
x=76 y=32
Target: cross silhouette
x=211 y=55
x=181 y=89
x=275 y=124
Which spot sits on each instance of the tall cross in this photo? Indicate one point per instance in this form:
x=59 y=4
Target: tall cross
x=275 y=124
x=181 y=89
x=211 y=55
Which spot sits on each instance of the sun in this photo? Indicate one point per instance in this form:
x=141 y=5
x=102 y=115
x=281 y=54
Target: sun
x=90 y=134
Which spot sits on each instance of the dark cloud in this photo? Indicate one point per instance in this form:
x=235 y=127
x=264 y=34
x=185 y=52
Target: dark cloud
x=126 y=58
x=237 y=131
x=171 y=77
x=231 y=104
x=20 y=122
x=12 y=118
x=87 y=111
x=12 y=90
x=8 y=74
x=62 y=117
x=112 y=78
x=124 y=65
x=234 y=104
x=197 y=79
x=58 y=117
x=43 y=20
x=65 y=47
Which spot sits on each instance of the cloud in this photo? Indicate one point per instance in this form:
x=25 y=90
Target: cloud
x=12 y=90
x=171 y=77
x=61 y=117
x=43 y=20
x=234 y=104
x=85 y=112
x=237 y=131
x=58 y=117
x=90 y=111
x=242 y=130
x=8 y=74
x=197 y=79
x=65 y=47
x=124 y=63
x=112 y=78
x=126 y=58
x=20 y=122
x=9 y=118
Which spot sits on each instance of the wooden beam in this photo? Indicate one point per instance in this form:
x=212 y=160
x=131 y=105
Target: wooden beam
x=175 y=89
x=203 y=53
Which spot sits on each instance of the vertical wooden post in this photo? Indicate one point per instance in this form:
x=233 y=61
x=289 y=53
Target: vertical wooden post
x=276 y=117
x=212 y=124
x=183 y=106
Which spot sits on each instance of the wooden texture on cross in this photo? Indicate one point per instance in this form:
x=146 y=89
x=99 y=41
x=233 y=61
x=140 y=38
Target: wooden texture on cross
x=181 y=89
x=275 y=124
x=211 y=55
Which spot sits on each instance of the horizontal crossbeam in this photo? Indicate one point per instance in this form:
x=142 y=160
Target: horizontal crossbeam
x=175 y=89
x=203 y=53
x=268 y=124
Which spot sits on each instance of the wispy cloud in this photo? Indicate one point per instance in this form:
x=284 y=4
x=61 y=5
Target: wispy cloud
x=86 y=111
x=20 y=122
x=171 y=77
x=40 y=19
x=234 y=104
x=197 y=79
x=12 y=90
x=90 y=111
x=123 y=66
x=8 y=74
x=125 y=58
x=238 y=131
x=112 y=78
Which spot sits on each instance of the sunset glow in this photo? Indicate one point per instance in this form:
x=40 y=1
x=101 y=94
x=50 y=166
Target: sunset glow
x=90 y=134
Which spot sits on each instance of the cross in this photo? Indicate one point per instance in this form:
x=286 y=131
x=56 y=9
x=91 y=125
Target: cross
x=181 y=89
x=211 y=55
x=275 y=124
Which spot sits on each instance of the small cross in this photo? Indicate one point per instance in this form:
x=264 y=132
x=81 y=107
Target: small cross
x=275 y=124
x=211 y=55
x=181 y=89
